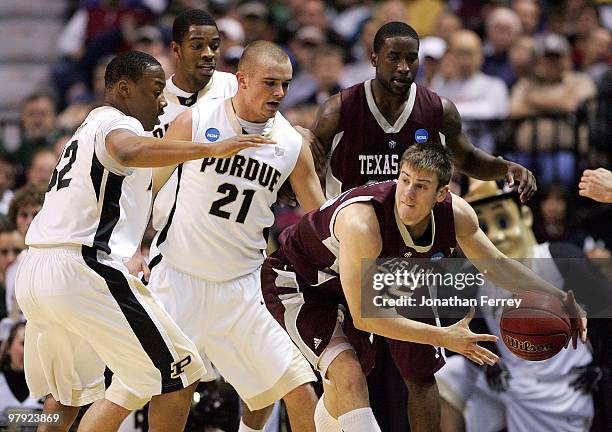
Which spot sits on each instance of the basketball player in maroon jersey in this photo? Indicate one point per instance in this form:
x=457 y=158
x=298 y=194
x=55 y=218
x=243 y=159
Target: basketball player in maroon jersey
x=312 y=284
x=365 y=129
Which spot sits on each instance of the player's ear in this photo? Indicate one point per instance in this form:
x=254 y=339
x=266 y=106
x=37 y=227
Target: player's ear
x=373 y=58
x=526 y=216
x=242 y=79
x=176 y=48
x=441 y=195
x=123 y=86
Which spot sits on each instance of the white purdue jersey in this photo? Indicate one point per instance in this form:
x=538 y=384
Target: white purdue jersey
x=92 y=200
x=221 y=85
x=223 y=206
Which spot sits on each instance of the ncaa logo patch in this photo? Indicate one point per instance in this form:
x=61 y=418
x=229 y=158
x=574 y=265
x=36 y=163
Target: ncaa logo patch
x=212 y=134
x=421 y=136
x=437 y=256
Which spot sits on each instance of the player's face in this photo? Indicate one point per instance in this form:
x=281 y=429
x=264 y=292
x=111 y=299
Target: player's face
x=11 y=245
x=501 y=221
x=397 y=63
x=265 y=87
x=198 y=54
x=416 y=194
x=147 y=102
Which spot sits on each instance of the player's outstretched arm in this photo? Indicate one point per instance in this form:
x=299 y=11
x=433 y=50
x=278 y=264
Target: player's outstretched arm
x=503 y=271
x=479 y=164
x=132 y=150
x=358 y=231
x=305 y=182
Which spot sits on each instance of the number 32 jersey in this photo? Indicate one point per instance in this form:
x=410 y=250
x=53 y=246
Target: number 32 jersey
x=215 y=230
x=92 y=200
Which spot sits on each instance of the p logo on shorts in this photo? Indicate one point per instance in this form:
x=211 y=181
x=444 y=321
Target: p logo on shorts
x=178 y=367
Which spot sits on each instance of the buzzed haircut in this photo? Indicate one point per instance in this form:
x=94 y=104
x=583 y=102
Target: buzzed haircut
x=393 y=29
x=186 y=19
x=430 y=156
x=130 y=64
x=261 y=50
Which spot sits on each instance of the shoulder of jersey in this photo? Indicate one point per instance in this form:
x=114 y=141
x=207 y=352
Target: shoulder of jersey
x=284 y=123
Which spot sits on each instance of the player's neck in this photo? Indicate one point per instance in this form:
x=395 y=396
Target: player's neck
x=111 y=101
x=182 y=81
x=417 y=230
x=389 y=104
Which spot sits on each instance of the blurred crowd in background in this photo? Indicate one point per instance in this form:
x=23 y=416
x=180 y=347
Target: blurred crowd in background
x=531 y=80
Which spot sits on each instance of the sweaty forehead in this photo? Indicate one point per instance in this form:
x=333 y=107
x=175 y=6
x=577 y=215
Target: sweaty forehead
x=154 y=75
x=401 y=44
x=202 y=32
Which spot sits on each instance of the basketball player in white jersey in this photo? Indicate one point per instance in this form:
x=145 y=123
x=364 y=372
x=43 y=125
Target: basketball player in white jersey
x=221 y=212
x=195 y=43
x=84 y=310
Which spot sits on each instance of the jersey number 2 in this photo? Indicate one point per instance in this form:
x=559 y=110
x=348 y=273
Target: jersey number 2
x=231 y=194
x=58 y=178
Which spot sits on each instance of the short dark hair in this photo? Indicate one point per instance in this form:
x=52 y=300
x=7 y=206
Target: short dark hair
x=186 y=19
x=41 y=95
x=130 y=64
x=32 y=194
x=393 y=29
x=430 y=156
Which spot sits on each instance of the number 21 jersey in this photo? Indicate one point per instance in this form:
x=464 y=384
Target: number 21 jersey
x=92 y=200
x=216 y=228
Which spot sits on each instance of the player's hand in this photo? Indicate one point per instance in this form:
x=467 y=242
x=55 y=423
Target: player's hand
x=318 y=151
x=577 y=318
x=527 y=183
x=460 y=339
x=137 y=264
x=231 y=146
x=597 y=185
x=497 y=377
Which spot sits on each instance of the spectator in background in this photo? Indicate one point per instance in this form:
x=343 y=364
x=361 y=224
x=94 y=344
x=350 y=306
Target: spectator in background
x=447 y=24
x=431 y=50
x=328 y=64
x=60 y=143
x=231 y=32
x=390 y=10
x=362 y=69
x=303 y=47
x=149 y=39
x=7 y=181
x=596 y=59
x=11 y=245
x=38 y=121
x=43 y=164
x=522 y=57
x=351 y=16
x=503 y=27
x=529 y=13
x=553 y=89
x=256 y=22
x=555 y=217
x=423 y=14
x=26 y=204
x=14 y=392
x=477 y=96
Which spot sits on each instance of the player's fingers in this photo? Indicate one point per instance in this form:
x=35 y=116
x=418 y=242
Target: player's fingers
x=510 y=178
x=146 y=272
x=583 y=329
x=472 y=356
x=483 y=337
x=488 y=356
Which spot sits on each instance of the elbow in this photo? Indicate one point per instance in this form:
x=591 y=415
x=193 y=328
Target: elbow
x=126 y=155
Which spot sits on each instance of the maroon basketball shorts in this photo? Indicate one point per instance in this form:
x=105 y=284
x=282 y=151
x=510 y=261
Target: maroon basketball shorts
x=311 y=314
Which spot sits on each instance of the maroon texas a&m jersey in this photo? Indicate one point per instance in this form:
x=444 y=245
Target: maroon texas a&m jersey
x=311 y=248
x=366 y=148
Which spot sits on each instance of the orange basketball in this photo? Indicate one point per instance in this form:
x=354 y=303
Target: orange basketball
x=538 y=329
